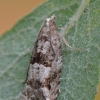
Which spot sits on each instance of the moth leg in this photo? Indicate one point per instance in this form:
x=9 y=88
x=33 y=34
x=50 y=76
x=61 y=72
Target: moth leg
x=23 y=81
x=66 y=43
x=64 y=40
x=30 y=51
x=60 y=28
x=59 y=91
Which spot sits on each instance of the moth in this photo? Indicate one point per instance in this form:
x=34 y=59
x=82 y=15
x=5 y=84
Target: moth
x=42 y=81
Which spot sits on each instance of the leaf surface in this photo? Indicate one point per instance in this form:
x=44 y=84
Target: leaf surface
x=80 y=71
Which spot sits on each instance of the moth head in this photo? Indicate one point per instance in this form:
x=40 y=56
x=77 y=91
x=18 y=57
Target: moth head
x=50 y=21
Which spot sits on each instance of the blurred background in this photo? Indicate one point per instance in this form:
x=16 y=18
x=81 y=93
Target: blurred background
x=12 y=10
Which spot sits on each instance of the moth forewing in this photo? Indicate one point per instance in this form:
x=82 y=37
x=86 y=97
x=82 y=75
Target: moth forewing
x=42 y=82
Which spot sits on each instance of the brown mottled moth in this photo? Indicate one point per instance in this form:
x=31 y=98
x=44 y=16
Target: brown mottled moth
x=42 y=82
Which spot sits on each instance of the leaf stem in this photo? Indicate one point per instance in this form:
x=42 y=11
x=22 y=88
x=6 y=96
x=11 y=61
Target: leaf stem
x=75 y=17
